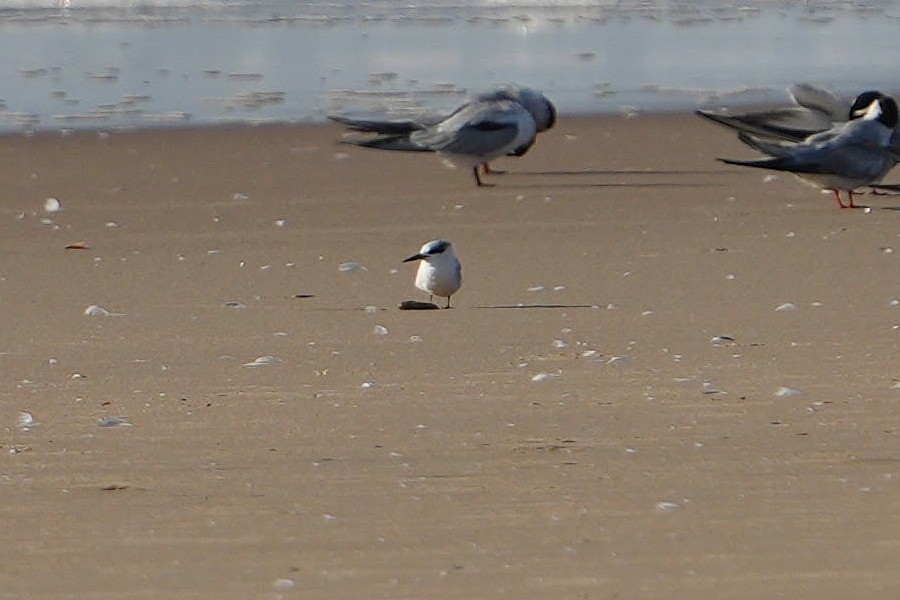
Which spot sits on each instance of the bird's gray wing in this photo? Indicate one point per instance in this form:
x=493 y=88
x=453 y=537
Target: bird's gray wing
x=819 y=100
x=378 y=126
x=766 y=146
x=849 y=161
x=479 y=135
x=399 y=143
x=793 y=124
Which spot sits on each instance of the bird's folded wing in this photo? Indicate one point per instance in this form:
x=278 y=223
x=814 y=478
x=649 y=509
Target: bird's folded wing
x=477 y=138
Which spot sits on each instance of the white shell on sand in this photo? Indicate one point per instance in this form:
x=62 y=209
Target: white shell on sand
x=544 y=377
x=25 y=421
x=96 y=311
x=52 y=205
x=114 y=422
x=350 y=267
x=710 y=387
x=786 y=306
x=784 y=392
x=283 y=584
x=263 y=361
x=618 y=361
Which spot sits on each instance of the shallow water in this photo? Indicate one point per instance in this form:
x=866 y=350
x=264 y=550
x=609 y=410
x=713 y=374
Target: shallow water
x=96 y=65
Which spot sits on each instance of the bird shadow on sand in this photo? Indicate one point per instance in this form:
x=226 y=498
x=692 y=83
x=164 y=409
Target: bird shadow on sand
x=568 y=172
x=650 y=174
x=533 y=306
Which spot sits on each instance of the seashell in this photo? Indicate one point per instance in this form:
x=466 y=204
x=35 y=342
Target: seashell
x=541 y=377
x=350 y=267
x=25 y=421
x=114 y=422
x=786 y=306
x=263 y=361
x=380 y=330
x=711 y=388
x=784 y=392
x=618 y=361
x=52 y=205
x=96 y=311
x=78 y=246
x=283 y=584
x=667 y=506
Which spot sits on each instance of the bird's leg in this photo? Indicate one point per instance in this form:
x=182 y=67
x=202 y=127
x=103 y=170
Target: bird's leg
x=837 y=197
x=851 y=205
x=478 y=178
x=448 y=302
x=488 y=170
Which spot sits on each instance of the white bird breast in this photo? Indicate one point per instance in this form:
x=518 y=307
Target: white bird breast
x=441 y=277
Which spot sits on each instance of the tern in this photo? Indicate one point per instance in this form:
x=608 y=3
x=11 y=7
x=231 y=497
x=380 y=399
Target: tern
x=439 y=272
x=857 y=153
x=491 y=125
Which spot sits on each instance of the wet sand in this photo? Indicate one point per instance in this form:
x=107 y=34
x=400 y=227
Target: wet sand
x=571 y=429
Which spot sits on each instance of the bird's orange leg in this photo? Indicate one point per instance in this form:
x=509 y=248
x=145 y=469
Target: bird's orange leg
x=837 y=198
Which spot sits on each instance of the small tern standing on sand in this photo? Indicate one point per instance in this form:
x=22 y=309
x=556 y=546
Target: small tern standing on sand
x=440 y=272
x=502 y=122
x=855 y=154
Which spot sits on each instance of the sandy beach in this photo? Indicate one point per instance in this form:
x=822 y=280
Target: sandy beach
x=663 y=378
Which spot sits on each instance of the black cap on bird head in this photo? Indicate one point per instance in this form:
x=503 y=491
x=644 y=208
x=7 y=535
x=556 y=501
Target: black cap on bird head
x=862 y=103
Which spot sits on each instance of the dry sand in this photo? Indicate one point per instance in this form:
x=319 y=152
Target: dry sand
x=550 y=437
